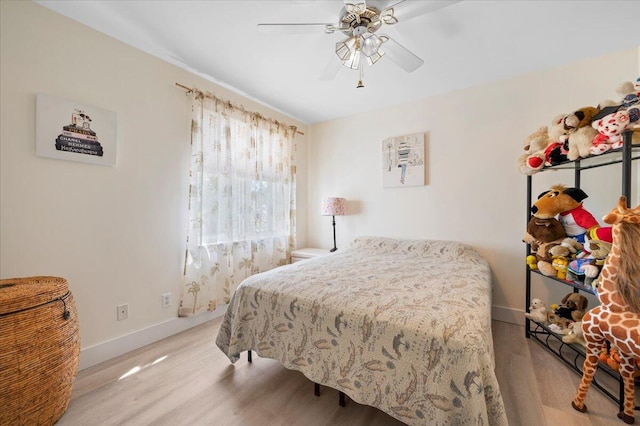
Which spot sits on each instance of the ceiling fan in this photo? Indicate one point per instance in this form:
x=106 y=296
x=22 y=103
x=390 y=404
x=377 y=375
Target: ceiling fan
x=360 y=22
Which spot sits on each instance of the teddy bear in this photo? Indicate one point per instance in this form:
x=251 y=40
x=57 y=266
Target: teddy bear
x=543 y=234
x=570 y=136
x=532 y=160
x=548 y=244
x=537 y=311
x=579 y=133
x=545 y=147
x=557 y=149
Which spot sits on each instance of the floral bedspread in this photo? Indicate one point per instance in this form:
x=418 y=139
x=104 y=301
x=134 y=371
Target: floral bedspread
x=401 y=325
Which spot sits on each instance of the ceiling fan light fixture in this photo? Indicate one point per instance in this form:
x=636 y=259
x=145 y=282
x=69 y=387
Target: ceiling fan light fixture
x=353 y=61
x=372 y=59
x=344 y=48
x=358 y=22
x=370 y=44
x=342 y=51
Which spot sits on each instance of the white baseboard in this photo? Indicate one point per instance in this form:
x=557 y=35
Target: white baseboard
x=112 y=348
x=510 y=315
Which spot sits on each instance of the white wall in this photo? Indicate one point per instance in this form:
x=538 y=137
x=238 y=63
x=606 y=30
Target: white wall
x=474 y=192
x=117 y=234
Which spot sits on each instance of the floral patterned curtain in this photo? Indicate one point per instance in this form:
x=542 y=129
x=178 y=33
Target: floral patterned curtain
x=241 y=201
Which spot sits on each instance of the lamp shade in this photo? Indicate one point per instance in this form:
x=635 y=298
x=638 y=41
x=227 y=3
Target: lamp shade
x=333 y=207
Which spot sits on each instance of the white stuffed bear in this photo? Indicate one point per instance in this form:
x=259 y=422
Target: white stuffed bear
x=537 y=311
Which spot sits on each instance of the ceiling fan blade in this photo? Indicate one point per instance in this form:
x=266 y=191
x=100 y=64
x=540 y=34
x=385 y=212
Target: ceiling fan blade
x=400 y=55
x=331 y=70
x=296 y=28
x=405 y=9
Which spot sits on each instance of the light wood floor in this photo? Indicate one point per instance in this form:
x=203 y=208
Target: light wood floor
x=186 y=380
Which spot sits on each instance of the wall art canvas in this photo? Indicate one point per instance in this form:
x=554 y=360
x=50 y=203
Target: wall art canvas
x=403 y=161
x=69 y=130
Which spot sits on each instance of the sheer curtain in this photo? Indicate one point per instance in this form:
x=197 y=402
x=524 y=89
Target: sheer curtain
x=241 y=201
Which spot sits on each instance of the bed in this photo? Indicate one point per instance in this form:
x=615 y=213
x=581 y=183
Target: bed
x=401 y=325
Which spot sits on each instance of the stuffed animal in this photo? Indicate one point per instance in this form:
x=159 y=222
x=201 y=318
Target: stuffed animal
x=567 y=203
x=547 y=146
x=557 y=149
x=543 y=235
x=574 y=334
x=557 y=324
x=556 y=153
x=579 y=118
x=630 y=93
x=543 y=230
x=570 y=136
x=630 y=101
x=611 y=357
x=537 y=311
x=599 y=251
x=610 y=128
x=587 y=269
x=550 y=248
x=572 y=308
x=579 y=132
x=533 y=158
x=561 y=265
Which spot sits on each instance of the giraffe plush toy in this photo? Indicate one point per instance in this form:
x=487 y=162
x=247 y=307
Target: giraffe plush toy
x=617 y=318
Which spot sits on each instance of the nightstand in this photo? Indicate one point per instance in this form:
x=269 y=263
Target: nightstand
x=307 y=253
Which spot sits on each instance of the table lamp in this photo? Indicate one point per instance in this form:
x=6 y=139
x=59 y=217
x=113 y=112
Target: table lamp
x=333 y=207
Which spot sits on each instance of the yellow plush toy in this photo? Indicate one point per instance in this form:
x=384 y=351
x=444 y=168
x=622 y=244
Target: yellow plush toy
x=560 y=264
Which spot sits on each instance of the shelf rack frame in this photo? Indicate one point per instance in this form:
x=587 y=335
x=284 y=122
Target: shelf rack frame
x=570 y=353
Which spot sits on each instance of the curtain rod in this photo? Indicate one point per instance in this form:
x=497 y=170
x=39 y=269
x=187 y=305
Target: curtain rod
x=190 y=90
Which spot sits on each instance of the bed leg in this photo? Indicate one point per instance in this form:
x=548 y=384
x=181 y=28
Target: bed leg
x=249 y=356
x=316 y=389
x=341 y=399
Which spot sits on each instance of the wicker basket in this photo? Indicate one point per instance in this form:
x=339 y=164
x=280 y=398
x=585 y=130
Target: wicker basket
x=39 y=350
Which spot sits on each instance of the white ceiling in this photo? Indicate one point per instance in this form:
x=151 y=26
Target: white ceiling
x=463 y=45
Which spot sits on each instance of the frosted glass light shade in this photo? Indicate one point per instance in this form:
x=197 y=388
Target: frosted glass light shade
x=370 y=44
x=333 y=207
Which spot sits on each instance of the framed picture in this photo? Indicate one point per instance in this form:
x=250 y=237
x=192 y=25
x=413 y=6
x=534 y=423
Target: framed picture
x=403 y=161
x=73 y=131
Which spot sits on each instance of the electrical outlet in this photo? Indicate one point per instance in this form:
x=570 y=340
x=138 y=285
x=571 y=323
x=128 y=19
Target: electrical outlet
x=123 y=312
x=166 y=300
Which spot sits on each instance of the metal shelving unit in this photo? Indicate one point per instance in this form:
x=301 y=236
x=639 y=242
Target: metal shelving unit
x=573 y=354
